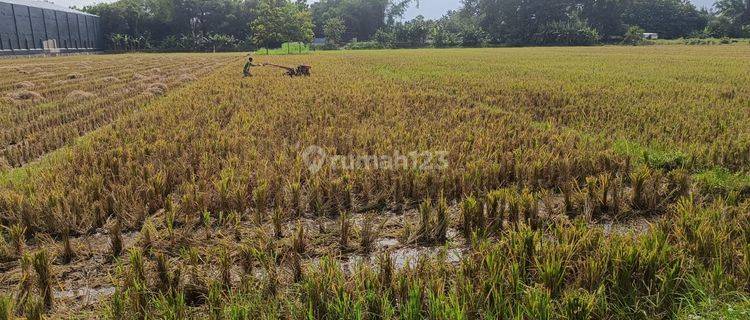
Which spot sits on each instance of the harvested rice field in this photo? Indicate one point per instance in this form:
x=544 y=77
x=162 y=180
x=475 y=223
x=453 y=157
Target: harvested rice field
x=47 y=103
x=523 y=183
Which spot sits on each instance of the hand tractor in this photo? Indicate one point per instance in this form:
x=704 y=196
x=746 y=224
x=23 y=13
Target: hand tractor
x=299 y=71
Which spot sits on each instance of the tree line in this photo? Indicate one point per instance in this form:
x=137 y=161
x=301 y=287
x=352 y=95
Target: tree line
x=218 y=25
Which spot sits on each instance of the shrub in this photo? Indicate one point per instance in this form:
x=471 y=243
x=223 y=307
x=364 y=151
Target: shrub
x=568 y=33
x=382 y=39
x=473 y=36
x=442 y=38
x=698 y=41
x=365 y=45
x=634 y=36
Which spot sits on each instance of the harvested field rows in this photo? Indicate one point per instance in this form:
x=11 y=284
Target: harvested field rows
x=49 y=103
x=577 y=183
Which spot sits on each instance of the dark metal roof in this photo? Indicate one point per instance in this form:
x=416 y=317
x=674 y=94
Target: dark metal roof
x=45 y=5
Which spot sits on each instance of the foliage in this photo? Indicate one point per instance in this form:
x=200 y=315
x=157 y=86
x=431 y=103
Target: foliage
x=733 y=16
x=419 y=32
x=156 y=21
x=382 y=39
x=285 y=49
x=634 y=36
x=174 y=25
x=334 y=30
x=361 y=18
x=124 y=42
x=278 y=22
x=221 y=42
x=443 y=37
x=570 y=33
x=720 y=26
x=365 y=45
x=669 y=18
x=410 y=34
x=516 y=22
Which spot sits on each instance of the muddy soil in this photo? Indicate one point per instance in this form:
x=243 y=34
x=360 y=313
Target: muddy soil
x=83 y=286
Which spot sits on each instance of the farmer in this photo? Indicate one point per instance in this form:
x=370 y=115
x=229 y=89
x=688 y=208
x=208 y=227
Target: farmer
x=246 y=69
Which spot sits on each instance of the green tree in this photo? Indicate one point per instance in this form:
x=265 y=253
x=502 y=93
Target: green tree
x=738 y=10
x=413 y=33
x=334 y=30
x=221 y=41
x=443 y=36
x=522 y=21
x=298 y=23
x=165 y=21
x=268 y=28
x=280 y=21
x=605 y=16
x=734 y=15
x=516 y=21
x=362 y=18
x=668 y=18
x=568 y=33
x=385 y=38
x=465 y=24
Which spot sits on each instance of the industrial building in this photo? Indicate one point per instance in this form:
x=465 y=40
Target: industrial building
x=36 y=27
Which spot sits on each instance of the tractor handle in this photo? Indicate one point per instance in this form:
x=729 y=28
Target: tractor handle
x=278 y=66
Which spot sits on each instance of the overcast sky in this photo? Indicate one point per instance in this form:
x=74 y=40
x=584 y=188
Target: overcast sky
x=428 y=8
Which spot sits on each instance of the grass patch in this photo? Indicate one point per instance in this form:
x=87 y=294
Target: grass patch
x=705 y=41
x=712 y=308
x=12 y=176
x=16 y=176
x=655 y=158
x=286 y=49
x=721 y=180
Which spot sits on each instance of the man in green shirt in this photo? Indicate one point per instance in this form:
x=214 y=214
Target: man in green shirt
x=248 y=64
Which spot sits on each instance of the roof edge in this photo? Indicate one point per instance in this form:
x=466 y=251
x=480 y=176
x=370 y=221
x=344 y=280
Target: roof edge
x=46 y=5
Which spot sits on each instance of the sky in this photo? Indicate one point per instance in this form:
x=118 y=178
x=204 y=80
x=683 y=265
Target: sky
x=429 y=8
